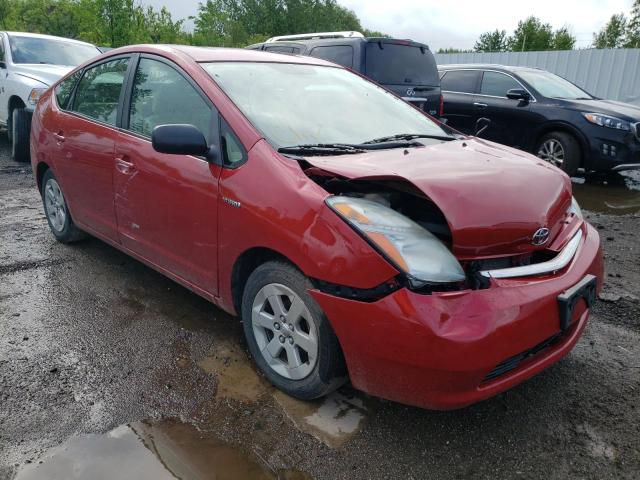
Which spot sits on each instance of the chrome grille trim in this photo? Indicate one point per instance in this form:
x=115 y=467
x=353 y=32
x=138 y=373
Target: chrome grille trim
x=550 y=266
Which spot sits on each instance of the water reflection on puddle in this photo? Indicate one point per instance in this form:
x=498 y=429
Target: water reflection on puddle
x=150 y=451
x=616 y=194
x=334 y=420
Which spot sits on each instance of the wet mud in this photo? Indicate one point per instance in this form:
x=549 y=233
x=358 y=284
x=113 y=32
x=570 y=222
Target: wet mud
x=109 y=370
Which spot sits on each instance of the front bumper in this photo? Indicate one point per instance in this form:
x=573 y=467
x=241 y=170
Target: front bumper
x=613 y=150
x=439 y=351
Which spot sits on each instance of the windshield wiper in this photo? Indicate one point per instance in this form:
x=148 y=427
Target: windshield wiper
x=321 y=149
x=409 y=136
x=347 y=148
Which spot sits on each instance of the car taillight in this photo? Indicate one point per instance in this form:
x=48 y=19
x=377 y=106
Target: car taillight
x=441 y=105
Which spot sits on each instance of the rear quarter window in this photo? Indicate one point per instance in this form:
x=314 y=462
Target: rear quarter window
x=340 y=54
x=65 y=88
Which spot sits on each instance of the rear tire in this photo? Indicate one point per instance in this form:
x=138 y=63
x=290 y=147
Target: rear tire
x=562 y=150
x=57 y=212
x=20 y=129
x=288 y=335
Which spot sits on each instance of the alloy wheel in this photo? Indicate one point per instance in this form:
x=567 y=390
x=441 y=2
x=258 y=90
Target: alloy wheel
x=55 y=206
x=285 y=331
x=552 y=152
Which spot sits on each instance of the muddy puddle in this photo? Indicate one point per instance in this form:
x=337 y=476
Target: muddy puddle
x=616 y=194
x=333 y=420
x=151 y=451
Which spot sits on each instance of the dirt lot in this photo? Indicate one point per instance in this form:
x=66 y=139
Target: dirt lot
x=112 y=370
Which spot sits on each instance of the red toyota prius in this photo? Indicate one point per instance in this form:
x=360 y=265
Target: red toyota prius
x=357 y=238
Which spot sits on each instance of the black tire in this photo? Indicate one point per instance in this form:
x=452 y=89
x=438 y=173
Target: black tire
x=20 y=128
x=68 y=232
x=329 y=371
x=572 y=153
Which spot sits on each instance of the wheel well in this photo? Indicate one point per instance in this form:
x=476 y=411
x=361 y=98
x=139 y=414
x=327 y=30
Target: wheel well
x=245 y=265
x=15 y=102
x=40 y=171
x=563 y=129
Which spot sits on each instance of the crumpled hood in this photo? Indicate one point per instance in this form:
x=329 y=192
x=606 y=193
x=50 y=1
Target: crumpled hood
x=47 y=74
x=493 y=197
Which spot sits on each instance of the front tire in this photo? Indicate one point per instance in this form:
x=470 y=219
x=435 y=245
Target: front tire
x=288 y=335
x=56 y=210
x=560 y=149
x=20 y=127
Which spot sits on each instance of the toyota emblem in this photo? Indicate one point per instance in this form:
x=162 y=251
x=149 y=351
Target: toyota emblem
x=540 y=237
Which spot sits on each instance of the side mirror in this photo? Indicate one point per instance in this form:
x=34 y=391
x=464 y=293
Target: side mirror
x=518 y=94
x=481 y=125
x=179 y=139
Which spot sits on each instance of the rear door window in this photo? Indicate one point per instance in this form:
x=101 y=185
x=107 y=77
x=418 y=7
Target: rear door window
x=98 y=93
x=340 y=54
x=461 y=81
x=399 y=64
x=497 y=84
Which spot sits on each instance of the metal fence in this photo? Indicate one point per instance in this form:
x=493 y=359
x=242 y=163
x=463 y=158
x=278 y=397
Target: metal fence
x=611 y=74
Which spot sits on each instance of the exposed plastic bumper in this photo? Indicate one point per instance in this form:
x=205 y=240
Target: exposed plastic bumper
x=435 y=351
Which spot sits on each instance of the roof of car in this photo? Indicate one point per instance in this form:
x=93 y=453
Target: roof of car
x=495 y=66
x=50 y=37
x=338 y=41
x=219 y=54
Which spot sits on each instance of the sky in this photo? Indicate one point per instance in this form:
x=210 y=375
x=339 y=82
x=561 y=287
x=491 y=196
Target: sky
x=457 y=24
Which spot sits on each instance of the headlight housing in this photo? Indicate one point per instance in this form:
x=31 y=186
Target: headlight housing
x=404 y=243
x=35 y=95
x=607 y=121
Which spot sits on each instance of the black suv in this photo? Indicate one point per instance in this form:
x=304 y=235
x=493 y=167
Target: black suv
x=542 y=113
x=405 y=67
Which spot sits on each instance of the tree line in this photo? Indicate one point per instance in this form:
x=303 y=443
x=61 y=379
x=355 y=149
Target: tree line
x=620 y=31
x=231 y=23
x=532 y=34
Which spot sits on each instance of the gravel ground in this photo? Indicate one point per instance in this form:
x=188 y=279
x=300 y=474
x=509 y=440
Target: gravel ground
x=91 y=340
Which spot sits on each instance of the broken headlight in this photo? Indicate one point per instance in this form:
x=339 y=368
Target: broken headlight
x=404 y=243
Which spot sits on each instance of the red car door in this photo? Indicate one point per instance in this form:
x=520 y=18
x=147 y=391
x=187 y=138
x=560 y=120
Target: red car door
x=85 y=136
x=166 y=204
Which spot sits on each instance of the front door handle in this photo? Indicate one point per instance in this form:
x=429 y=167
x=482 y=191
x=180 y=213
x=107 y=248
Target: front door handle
x=123 y=166
x=480 y=105
x=59 y=137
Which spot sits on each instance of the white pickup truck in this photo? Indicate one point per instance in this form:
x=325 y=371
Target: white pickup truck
x=29 y=64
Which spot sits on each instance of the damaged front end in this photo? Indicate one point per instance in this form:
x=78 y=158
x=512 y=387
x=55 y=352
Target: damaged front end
x=402 y=223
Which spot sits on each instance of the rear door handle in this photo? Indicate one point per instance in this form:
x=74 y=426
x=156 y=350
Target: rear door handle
x=123 y=166
x=480 y=105
x=59 y=137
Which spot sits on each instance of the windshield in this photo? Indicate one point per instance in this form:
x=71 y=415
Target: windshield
x=295 y=104
x=46 y=50
x=553 y=86
x=397 y=64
